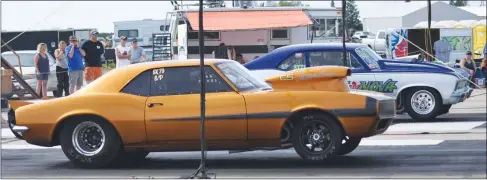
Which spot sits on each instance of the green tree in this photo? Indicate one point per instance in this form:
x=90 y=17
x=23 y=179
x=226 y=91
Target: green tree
x=459 y=3
x=291 y=4
x=353 y=16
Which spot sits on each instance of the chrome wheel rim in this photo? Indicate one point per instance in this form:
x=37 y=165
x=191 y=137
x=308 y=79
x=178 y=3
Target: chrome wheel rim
x=423 y=102
x=88 y=138
x=315 y=134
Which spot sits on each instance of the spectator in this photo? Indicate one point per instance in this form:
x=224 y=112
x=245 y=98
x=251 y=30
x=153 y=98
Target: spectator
x=122 y=53
x=469 y=64
x=75 y=64
x=232 y=53
x=62 y=70
x=221 y=52
x=94 y=50
x=240 y=59
x=137 y=53
x=41 y=63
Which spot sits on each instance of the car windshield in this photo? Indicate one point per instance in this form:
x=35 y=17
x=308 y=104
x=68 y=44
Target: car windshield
x=26 y=59
x=241 y=77
x=369 y=56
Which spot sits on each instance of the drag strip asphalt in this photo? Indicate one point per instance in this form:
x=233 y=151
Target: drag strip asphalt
x=461 y=159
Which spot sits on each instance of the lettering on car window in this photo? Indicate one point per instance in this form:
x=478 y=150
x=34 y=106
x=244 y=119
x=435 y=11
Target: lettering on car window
x=158 y=74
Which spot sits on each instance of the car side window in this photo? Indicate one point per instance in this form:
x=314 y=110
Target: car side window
x=333 y=58
x=140 y=85
x=185 y=80
x=295 y=61
x=354 y=64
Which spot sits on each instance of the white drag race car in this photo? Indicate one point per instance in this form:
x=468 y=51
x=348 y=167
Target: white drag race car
x=423 y=90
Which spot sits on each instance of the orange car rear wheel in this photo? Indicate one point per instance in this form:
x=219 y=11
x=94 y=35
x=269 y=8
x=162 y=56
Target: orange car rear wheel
x=316 y=131
x=350 y=144
x=90 y=142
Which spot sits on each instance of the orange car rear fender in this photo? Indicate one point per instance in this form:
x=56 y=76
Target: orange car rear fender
x=78 y=112
x=313 y=108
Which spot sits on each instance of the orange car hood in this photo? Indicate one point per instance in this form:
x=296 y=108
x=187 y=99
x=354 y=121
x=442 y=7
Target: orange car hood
x=320 y=78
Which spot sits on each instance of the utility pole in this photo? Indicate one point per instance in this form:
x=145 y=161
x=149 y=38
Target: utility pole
x=345 y=31
x=201 y=172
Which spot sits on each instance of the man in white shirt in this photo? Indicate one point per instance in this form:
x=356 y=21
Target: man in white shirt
x=122 y=53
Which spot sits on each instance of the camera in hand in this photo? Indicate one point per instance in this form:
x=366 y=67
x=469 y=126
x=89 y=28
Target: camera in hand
x=125 y=53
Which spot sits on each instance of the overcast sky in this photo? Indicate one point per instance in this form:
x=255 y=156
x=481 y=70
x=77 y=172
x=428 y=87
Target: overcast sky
x=24 y=15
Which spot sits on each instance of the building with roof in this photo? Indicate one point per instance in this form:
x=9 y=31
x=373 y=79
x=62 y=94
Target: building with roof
x=440 y=11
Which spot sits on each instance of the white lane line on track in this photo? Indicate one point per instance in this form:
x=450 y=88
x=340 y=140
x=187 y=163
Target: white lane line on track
x=399 y=142
x=432 y=127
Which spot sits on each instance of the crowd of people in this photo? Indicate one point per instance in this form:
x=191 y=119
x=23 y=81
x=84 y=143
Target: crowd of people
x=70 y=69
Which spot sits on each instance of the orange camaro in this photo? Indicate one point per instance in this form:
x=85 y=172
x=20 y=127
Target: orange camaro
x=155 y=107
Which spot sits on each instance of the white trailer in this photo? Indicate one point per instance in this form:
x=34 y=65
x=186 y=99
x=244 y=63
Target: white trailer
x=141 y=30
x=325 y=25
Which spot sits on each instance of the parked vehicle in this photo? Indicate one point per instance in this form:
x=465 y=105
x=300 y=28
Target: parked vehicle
x=154 y=107
x=423 y=90
x=28 y=68
x=376 y=43
x=363 y=34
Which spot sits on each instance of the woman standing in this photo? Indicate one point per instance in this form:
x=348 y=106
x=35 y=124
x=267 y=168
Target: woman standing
x=62 y=70
x=469 y=65
x=41 y=62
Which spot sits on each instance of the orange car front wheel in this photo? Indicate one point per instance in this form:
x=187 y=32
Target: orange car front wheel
x=316 y=137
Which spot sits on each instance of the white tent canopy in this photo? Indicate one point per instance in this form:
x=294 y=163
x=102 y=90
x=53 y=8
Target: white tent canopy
x=445 y=24
x=423 y=24
x=481 y=22
x=465 y=23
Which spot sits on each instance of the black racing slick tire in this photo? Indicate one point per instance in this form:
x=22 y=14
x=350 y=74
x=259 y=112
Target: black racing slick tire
x=316 y=130
x=427 y=103
x=349 y=145
x=81 y=141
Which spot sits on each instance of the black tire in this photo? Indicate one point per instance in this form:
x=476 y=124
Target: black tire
x=335 y=135
x=431 y=93
x=350 y=145
x=445 y=108
x=107 y=154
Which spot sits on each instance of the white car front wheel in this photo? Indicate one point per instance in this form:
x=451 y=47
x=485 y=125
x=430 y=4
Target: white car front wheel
x=423 y=103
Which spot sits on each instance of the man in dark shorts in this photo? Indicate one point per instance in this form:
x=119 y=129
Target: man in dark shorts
x=94 y=50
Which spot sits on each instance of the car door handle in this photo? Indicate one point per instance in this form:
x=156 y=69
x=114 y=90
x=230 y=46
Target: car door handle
x=152 y=104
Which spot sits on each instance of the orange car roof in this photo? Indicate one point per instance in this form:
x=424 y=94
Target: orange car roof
x=116 y=79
